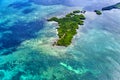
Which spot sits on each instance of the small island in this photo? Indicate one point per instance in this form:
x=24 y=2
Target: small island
x=98 y=12
x=68 y=26
x=76 y=11
x=115 y=6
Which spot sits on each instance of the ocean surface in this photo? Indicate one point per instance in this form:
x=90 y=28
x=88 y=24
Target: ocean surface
x=26 y=38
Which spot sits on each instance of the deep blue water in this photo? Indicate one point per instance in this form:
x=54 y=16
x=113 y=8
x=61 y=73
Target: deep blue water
x=26 y=38
x=20 y=31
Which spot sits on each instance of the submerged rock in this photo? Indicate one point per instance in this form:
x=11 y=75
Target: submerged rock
x=98 y=12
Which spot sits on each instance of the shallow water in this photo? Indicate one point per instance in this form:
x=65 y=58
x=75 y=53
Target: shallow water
x=26 y=51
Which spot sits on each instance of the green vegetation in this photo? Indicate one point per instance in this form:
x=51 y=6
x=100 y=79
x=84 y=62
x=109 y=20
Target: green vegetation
x=68 y=26
x=98 y=12
x=77 y=11
x=53 y=19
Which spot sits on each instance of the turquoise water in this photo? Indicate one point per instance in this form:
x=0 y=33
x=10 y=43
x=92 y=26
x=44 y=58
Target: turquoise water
x=26 y=38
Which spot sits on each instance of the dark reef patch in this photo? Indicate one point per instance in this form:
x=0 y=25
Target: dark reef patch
x=4 y=23
x=20 y=31
x=8 y=51
x=8 y=66
x=1 y=75
x=17 y=76
x=28 y=10
x=20 y=5
x=51 y=2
